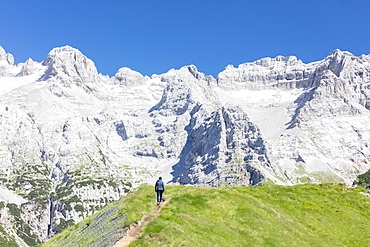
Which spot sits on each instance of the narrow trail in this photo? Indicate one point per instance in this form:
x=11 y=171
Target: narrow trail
x=134 y=230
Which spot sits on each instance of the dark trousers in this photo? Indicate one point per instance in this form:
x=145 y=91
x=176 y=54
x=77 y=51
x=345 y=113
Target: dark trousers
x=159 y=195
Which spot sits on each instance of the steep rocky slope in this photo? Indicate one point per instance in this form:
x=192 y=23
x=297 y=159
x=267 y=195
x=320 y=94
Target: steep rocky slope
x=316 y=130
x=73 y=140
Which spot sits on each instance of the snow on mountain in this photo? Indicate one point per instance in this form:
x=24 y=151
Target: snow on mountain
x=127 y=77
x=69 y=65
x=313 y=120
x=9 y=196
x=73 y=140
x=6 y=59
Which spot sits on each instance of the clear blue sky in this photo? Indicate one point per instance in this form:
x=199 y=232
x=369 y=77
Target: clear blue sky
x=153 y=36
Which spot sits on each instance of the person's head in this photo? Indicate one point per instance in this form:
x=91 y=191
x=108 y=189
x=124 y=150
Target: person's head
x=160 y=178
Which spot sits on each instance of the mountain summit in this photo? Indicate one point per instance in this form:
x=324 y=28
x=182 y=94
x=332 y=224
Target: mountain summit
x=69 y=65
x=73 y=140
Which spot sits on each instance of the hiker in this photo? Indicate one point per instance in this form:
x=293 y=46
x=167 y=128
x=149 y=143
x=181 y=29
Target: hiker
x=159 y=188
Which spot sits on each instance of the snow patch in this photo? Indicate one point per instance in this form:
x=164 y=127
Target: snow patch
x=9 y=196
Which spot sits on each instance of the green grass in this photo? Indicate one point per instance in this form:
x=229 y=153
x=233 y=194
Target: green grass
x=302 y=215
x=5 y=239
x=363 y=180
x=109 y=224
x=271 y=215
x=23 y=230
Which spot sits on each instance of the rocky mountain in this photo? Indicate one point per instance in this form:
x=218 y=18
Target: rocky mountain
x=73 y=140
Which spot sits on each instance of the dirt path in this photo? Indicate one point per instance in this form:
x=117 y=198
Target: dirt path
x=135 y=230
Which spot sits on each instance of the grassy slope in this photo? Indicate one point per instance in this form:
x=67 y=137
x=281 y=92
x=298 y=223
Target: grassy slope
x=109 y=224
x=302 y=215
x=5 y=239
x=311 y=215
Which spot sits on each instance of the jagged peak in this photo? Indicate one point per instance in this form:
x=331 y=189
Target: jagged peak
x=186 y=72
x=185 y=69
x=6 y=57
x=268 y=61
x=193 y=70
x=337 y=60
x=66 y=48
x=126 y=70
x=68 y=61
x=288 y=60
x=67 y=53
x=338 y=52
x=29 y=60
x=126 y=77
x=229 y=67
x=190 y=67
x=2 y=50
x=285 y=58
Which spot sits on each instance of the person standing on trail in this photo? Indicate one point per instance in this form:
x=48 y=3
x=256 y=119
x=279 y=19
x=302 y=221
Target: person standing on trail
x=159 y=188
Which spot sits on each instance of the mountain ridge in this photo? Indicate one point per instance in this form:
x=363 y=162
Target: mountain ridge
x=73 y=140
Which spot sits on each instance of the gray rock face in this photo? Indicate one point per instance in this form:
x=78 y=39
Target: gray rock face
x=6 y=58
x=68 y=65
x=222 y=150
x=73 y=140
x=324 y=120
x=128 y=77
x=282 y=72
x=6 y=63
x=28 y=68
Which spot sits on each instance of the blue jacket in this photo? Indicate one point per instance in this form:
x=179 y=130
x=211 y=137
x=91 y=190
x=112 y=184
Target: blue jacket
x=159 y=185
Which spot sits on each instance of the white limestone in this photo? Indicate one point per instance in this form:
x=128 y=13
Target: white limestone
x=72 y=140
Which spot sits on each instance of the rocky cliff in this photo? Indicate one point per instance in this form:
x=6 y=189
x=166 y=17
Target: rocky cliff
x=73 y=140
